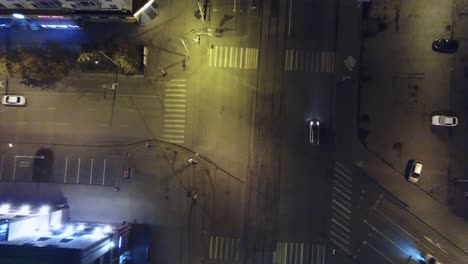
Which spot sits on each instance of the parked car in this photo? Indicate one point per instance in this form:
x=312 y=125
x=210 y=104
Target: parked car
x=13 y=100
x=314 y=132
x=442 y=45
x=415 y=168
x=441 y=120
x=429 y=259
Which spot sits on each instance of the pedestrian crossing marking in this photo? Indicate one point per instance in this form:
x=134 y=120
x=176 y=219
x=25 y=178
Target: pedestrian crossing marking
x=224 y=248
x=309 y=61
x=174 y=111
x=341 y=205
x=233 y=57
x=299 y=253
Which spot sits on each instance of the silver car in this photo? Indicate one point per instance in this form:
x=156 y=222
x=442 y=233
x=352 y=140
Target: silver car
x=441 y=120
x=14 y=100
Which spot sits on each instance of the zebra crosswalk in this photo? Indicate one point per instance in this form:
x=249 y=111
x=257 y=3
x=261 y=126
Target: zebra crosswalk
x=299 y=253
x=174 y=111
x=224 y=248
x=309 y=61
x=342 y=186
x=233 y=57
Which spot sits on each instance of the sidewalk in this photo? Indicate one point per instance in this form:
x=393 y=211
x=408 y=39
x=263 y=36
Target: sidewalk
x=348 y=146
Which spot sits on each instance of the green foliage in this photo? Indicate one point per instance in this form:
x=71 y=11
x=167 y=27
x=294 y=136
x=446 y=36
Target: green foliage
x=38 y=66
x=111 y=56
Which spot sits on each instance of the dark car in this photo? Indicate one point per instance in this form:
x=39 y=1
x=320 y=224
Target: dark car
x=445 y=45
x=314 y=132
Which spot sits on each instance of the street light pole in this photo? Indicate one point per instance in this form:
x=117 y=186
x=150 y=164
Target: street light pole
x=114 y=85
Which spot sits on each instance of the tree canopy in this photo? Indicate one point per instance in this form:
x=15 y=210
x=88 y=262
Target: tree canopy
x=38 y=66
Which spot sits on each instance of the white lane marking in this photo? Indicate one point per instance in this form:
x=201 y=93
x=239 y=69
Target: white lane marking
x=131 y=110
x=175 y=110
x=339 y=237
x=78 y=173
x=174 y=115
x=435 y=244
x=225 y=56
x=175 y=141
x=174 y=105
x=14 y=171
x=210 y=55
x=340 y=225
x=21 y=123
x=340 y=232
x=236 y=51
x=378 y=251
x=174 y=136
x=123 y=125
x=342 y=180
x=343 y=247
x=174 y=90
x=175 y=84
x=340 y=205
x=104 y=173
x=401 y=228
x=174 y=100
x=234 y=9
x=65 y=172
x=211 y=248
x=348 y=171
x=342 y=187
x=342 y=173
x=341 y=213
x=339 y=198
x=178 y=80
x=383 y=235
x=230 y=57
x=91 y=172
x=175 y=95
x=241 y=57
x=170 y=125
x=174 y=131
x=341 y=193
x=91 y=109
x=175 y=121
x=51 y=108
x=103 y=125
x=62 y=124
x=215 y=56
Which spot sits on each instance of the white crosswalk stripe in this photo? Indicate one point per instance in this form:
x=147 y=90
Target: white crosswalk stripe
x=299 y=253
x=309 y=61
x=174 y=111
x=233 y=57
x=224 y=248
x=341 y=207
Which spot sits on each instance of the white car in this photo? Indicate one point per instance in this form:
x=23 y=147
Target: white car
x=415 y=171
x=14 y=100
x=440 y=120
x=429 y=259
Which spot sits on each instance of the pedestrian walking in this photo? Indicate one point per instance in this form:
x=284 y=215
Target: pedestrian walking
x=183 y=64
x=163 y=72
x=197 y=39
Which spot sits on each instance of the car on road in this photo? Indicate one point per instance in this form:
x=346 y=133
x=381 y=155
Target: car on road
x=415 y=168
x=429 y=259
x=13 y=100
x=442 y=45
x=441 y=120
x=314 y=132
